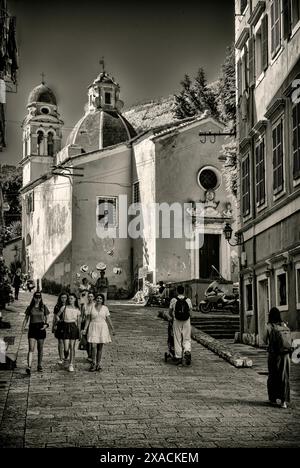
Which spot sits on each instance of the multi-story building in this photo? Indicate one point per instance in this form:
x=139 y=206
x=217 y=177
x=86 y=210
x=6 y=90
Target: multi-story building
x=268 y=72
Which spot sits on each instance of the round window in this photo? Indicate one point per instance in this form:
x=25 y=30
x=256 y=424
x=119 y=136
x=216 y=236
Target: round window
x=45 y=110
x=208 y=178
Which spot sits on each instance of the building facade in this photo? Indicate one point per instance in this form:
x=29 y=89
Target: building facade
x=79 y=200
x=268 y=71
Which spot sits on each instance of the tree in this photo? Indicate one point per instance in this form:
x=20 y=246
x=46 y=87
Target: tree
x=227 y=89
x=195 y=97
x=11 y=181
x=227 y=107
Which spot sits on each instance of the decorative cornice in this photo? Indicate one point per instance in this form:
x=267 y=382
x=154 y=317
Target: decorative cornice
x=275 y=106
x=257 y=12
x=243 y=37
x=258 y=128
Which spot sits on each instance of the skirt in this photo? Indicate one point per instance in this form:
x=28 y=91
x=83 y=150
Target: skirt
x=71 y=331
x=36 y=332
x=59 y=332
x=98 y=332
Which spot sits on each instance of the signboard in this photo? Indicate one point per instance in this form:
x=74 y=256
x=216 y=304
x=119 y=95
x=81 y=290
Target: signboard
x=143 y=272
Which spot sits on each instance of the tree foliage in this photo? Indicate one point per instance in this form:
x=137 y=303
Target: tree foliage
x=195 y=97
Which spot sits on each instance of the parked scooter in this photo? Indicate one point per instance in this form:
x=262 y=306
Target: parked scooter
x=217 y=299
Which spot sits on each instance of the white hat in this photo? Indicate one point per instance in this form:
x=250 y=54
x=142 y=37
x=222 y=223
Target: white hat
x=84 y=268
x=101 y=266
x=94 y=275
x=77 y=275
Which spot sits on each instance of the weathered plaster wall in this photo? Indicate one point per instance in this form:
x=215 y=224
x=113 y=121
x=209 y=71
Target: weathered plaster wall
x=49 y=227
x=108 y=174
x=179 y=158
x=143 y=170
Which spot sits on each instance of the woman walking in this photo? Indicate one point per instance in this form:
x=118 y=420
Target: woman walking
x=278 y=359
x=37 y=316
x=86 y=312
x=58 y=326
x=97 y=329
x=70 y=314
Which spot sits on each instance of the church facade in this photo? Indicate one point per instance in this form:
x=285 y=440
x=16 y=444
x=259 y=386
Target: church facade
x=80 y=201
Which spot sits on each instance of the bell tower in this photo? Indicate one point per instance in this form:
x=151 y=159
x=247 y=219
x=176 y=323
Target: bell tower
x=42 y=133
x=104 y=93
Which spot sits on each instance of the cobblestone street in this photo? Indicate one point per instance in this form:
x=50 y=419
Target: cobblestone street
x=138 y=400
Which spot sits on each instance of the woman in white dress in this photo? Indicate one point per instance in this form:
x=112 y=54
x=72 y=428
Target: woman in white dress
x=97 y=328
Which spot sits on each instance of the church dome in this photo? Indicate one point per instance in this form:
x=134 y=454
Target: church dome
x=101 y=129
x=43 y=94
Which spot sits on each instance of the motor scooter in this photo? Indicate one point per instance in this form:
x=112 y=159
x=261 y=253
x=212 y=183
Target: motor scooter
x=218 y=298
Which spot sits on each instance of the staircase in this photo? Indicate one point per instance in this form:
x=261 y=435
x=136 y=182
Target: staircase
x=217 y=326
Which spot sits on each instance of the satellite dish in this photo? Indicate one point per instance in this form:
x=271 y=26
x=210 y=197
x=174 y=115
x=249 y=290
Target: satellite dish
x=119 y=105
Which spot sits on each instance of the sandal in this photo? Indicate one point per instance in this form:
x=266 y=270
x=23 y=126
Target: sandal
x=93 y=368
x=28 y=371
x=98 y=368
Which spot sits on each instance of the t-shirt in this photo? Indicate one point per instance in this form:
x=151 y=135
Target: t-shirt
x=37 y=315
x=102 y=284
x=70 y=315
x=174 y=300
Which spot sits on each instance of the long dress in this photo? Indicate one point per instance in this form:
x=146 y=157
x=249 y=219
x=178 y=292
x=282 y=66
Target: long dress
x=279 y=371
x=98 y=331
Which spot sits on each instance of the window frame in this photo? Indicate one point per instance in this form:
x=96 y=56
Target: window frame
x=297 y=268
x=278 y=272
x=248 y=311
x=273 y=25
x=136 y=183
x=246 y=216
x=260 y=142
x=278 y=192
x=107 y=198
x=296 y=107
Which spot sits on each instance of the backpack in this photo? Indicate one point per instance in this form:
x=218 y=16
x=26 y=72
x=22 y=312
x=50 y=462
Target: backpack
x=182 y=310
x=280 y=339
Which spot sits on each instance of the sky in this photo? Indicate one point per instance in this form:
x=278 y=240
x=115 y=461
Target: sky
x=148 y=46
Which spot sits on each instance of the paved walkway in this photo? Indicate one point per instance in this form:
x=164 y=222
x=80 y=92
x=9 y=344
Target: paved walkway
x=138 y=400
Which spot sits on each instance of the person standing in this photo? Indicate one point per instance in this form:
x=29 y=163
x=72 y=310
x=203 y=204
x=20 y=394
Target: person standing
x=58 y=326
x=83 y=288
x=101 y=285
x=85 y=316
x=180 y=311
x=277 y=337
x=17 y=282
x=37 y=316
x=70 y=314
x=97 y=330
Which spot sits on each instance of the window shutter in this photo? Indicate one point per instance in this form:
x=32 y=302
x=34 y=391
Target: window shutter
x=251 y=61
x=287 y=18
x=264 y=42
x=239 y=78
x=245 y=68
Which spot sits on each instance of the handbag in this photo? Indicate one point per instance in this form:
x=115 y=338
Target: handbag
x=83 y=343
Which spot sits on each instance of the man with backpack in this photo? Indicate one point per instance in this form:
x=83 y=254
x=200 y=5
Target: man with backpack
x=180 y=311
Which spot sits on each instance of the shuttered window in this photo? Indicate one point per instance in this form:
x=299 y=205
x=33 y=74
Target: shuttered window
x=239 y=78
x=287 y=18
x=246 y=186
x=295 y=10
x=264 y=42
x=136 y=193
x=277 y=137
x=243 y=5
x=296 y=141
x=260 y=174
x=107 y=211
x=275 y=26
x=251 y=61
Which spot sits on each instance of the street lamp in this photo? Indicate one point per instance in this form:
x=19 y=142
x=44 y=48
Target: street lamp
x=239 y=238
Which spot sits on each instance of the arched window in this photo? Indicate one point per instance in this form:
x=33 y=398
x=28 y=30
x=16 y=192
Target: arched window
x=40 y=139
x=50 y=144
